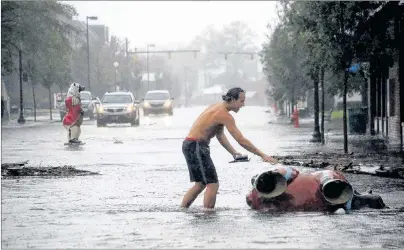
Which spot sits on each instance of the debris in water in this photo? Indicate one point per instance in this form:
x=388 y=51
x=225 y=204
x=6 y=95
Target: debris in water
x=116 y=141
x=19 y=169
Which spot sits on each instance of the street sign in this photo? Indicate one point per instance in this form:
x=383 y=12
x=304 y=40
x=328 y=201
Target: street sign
x=354 y=68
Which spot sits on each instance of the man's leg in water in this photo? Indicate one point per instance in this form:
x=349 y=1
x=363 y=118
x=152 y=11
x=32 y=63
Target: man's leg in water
x=191 y=195
x=209 y=200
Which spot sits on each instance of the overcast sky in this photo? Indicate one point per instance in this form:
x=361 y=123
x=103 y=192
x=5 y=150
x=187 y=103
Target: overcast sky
x=172 y=23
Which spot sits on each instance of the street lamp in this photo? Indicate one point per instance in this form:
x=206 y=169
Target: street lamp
x=147 y=58
x=116 y=65
x=88 y=51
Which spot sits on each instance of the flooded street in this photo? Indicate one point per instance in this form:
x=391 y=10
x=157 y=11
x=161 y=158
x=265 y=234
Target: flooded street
x=134 y=203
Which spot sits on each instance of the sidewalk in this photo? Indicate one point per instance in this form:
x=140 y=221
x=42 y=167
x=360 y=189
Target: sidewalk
x=42 y=116
x=373 y=155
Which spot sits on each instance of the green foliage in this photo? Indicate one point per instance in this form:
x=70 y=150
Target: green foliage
x=330 y=35
x=25 y=25
x=283 y=59
x=336 y=115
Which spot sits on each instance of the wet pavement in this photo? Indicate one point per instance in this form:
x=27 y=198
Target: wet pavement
x=134 y=202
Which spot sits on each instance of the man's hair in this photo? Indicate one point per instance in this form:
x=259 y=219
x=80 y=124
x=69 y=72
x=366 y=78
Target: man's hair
x=232 y=94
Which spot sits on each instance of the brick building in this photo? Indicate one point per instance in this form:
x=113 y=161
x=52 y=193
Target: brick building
x=386 y=84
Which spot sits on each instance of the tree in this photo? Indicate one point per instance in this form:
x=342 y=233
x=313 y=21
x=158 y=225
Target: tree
x=333 y=36
x=23 y=24
x=298 y=19
x=41 y=31
x=234 y=37
x=54 y=63
x=282 y=58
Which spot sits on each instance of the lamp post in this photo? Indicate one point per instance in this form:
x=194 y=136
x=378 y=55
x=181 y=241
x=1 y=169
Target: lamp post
x=116 y=65
x=147 y=58
x=88 y=51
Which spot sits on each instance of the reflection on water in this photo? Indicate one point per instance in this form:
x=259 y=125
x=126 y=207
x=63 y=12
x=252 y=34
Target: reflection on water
x=134 y=203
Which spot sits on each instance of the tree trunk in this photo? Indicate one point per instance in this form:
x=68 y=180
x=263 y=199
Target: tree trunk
x=322 y=104
x=364 y=92
x=316 y=133
x=33 y=97
x=31 y=69
x=21 y=119
x=371 y=98
x=281 y=107
x=50 y=103
x=344 y=112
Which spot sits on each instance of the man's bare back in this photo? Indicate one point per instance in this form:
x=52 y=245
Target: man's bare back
x=196 y=146
x=209 y=123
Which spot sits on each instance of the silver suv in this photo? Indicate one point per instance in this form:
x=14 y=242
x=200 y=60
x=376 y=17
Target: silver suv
x=157 y=101
x=118 y=107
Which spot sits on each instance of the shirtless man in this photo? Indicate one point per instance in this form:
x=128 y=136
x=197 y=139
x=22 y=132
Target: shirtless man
x=196 y=146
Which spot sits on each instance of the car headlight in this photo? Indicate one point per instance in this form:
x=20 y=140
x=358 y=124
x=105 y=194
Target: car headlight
x=146 y=104
x=167 y=104
x=129 y=108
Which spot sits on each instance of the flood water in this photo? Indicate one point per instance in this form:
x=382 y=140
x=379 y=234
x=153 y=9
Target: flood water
x=134 y=203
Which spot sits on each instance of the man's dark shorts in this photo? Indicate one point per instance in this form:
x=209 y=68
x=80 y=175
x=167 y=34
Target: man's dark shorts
x=200 y=165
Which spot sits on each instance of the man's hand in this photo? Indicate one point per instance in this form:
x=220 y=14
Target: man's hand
x=267 y=158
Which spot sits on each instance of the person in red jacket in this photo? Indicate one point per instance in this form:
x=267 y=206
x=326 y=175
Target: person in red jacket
x=74 y=117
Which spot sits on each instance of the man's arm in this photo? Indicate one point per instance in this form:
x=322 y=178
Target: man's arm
x=221 y=137
x=230 y=124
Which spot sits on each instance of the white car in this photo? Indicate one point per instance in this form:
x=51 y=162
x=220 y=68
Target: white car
x=157 y=101
x=118 y=107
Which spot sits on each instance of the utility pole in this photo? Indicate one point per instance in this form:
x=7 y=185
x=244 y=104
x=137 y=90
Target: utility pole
x=147 y=59
x=127 y=65
x=88 y=51
x=88 y=59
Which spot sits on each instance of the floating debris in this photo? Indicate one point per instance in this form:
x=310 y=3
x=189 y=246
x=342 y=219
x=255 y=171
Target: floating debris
x=19 y=169
x=116 y=141
x=348 y=163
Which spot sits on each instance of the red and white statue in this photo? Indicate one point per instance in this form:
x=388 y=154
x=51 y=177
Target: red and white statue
x=74 y=115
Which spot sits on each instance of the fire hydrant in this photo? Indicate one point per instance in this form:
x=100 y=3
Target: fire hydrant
x=295 y=117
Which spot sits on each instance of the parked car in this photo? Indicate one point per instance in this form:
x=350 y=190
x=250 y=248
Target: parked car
x=158 y=101
x=87 y=105
x=118 y=107
x=62 y=109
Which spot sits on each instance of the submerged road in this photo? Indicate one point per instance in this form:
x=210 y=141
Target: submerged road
x=134 y=203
